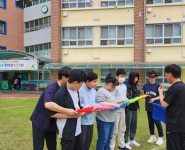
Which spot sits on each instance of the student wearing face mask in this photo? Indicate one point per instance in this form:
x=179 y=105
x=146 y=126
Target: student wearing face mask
x=131 y=110
x=121 y=95
x=106 y=118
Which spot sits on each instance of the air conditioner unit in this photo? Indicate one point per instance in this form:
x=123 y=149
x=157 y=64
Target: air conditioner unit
x=65 y=14
x=149 y=10
x=149 y=50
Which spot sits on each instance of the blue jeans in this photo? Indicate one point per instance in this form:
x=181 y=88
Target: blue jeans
x=157 y=123
x=105 y=133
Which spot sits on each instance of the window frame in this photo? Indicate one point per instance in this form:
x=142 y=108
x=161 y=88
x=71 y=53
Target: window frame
x=4 y=27
x=159 y=77
x=18 y=6
x=163 y=2
x=3 y=47
x=125 y=38
x=39 y=27
x=101 y=1
x=76 y=39
x=39 y=52
x=4 y=5
x=103 y=77
x=76 y=2
x=163 y=36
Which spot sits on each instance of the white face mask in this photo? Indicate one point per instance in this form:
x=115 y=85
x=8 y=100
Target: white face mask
x=121 y=80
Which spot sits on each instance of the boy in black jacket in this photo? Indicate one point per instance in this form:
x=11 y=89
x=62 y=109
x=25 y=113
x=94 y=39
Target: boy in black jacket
x=69 y=127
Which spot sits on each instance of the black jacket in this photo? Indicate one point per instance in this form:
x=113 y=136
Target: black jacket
x=63 y=99
x=133 y=106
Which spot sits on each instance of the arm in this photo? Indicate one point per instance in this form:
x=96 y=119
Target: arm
x=109 y=104
x=163 y=103
x=55 y=107
x=65 y=116
x=154 y=99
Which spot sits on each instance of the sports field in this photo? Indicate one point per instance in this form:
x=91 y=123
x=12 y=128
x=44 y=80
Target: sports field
x=16 y=129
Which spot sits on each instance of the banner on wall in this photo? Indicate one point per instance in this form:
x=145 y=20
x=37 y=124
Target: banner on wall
x=18 y=65
x=4 y=85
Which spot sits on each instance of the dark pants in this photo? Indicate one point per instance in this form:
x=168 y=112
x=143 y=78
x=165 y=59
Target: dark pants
x=175 y=141
x=131 y=124
x=151 y=122
x=105 y=133
x=71 y=145
x=38 y=139
x=86 y=137
x=15 y=86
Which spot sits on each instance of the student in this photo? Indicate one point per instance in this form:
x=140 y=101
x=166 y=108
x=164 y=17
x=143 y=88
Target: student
x=174 y=102
x=15 y=83
x=121 y=95
x=106 y=118
x=131 y=110
x=88 y=97
x=69 y=129
x=43 y=126
x=151 y=89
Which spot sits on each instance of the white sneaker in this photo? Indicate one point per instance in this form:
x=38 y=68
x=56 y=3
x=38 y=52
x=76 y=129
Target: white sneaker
x=152 y=139
x=133 y=142
x=127 y=146
x=159 y=141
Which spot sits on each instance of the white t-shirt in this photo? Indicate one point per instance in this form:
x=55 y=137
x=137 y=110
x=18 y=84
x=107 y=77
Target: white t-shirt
x=75 y=98
x=16 y=81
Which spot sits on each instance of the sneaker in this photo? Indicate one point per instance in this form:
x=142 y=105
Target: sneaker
x=127 y=146
x=133 y=142
x=152 y=139
x=119 y=148
x=159 y=141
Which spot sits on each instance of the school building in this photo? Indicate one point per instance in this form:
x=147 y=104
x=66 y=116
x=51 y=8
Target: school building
x=98 y=35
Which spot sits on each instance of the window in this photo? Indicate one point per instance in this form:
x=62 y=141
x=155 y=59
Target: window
x=3 y=4
x=43 y=75
x=2 y=48
x=2 y=27
x=76 y=3
x=105 y=3
x=24 y=76
x=38 y=24
x=87 y=70
x=163 y=34
x=104 y=72
x=81 y=36
x=41 y=49
x=46 y=75
x=19 y=4
x=117 y=35
x=161 y=78
x=4 y=75
x=162 y=1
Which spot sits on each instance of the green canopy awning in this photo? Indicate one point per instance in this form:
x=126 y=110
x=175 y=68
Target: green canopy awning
x=112 y=65
x=8 y=54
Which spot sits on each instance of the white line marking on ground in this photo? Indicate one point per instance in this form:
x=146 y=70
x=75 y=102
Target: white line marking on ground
x=160 y=147
x=14 y=107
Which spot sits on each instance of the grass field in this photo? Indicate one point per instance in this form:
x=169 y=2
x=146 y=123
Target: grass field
x=16 y=129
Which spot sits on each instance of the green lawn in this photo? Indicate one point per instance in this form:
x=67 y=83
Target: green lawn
x=16 y=129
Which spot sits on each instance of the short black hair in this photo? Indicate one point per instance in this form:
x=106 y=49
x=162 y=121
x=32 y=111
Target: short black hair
x=77 y=75
x=111 y=79
x=64 y=71
x=174 y=69
x=91 y=76
x=153 y=72
x=120 y=71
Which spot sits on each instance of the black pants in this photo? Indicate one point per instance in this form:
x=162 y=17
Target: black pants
x=38 y=139
x=86 y=137
x=15 y=86
x=175 y=141
x=71 y=145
